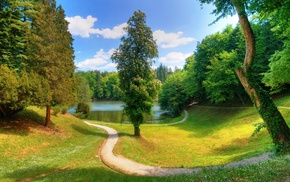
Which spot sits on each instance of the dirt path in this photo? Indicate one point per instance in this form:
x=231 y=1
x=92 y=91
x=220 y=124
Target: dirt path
x=130 y=167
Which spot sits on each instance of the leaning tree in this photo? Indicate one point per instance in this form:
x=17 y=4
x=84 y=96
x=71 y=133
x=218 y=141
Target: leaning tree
x=134 y=59
x=274 y=121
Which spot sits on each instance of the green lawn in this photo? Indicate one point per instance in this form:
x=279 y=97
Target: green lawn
x=210 y=136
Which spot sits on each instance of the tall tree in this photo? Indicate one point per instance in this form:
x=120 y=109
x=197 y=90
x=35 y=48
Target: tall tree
x=273 y=119
x=13 y=30
x=277 y=13
x=51 y=54
x=134 y=60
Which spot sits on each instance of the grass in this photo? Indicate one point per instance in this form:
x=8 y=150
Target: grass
x=67 y=151
x=210 y=136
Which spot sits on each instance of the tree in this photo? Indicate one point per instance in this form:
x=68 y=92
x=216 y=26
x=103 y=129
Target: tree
x=134 y=60
x=51 y=54
x=83 y=90
x=277 y=13
x=275 y=123
x=173 y=96
x=13 y=30
x=162 y=72
x=19 y=90
x=221 y=84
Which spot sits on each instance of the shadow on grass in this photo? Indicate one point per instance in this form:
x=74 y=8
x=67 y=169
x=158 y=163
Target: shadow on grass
x=39 y=173
x=21 y=123
x=87 y=131
x=127 y=134
x=203 y=120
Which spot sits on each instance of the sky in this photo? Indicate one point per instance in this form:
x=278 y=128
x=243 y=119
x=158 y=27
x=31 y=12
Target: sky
x=177 y=26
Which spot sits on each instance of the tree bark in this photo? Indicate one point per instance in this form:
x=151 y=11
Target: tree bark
x=137 y=131
x=47 y=118
x=274 y=121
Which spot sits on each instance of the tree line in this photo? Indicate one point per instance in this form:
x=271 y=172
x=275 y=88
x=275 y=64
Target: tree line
x=105 y=85
x=208 y=75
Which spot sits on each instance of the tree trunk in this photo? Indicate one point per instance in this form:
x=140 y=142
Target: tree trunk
x=47 y=119
x=137 y=131
x=274 y=121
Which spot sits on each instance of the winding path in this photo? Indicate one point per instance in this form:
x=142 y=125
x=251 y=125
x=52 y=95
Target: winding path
x=130 y=167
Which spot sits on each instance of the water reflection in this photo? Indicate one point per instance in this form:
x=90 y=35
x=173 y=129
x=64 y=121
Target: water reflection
x=111 y=111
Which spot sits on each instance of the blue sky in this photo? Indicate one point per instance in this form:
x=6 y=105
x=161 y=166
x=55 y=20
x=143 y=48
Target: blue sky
x=177 y=26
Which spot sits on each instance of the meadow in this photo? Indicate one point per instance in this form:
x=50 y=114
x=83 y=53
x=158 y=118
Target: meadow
x=68 y=151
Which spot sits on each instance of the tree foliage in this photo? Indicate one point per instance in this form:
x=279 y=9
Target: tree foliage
x=134 y=60
x=19 y=90
x=173 y=97
x=13 y=29
x=162 y=72
x=51 y=54
x=221 y=83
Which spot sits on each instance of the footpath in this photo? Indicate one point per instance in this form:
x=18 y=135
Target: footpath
x=127 y=166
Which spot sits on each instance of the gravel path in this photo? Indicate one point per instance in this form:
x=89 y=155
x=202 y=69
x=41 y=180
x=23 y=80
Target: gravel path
x=130 y=167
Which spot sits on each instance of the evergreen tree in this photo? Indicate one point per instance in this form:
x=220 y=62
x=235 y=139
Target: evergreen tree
x=13 y=31
x=134 y=60
x=51 y=54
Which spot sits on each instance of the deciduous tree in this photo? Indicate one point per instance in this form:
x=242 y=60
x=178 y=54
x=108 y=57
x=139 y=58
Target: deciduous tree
x=273 y=119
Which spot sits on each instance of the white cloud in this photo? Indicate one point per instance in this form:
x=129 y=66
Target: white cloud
x=81 y=26
x=84 y=27
x=170 y=40
x=116 y=32
x=99 y=61
x=174 y=59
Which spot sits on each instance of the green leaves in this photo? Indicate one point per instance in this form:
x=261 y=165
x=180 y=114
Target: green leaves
x=173 y=97
x=134 y=59
x=20 y=90
x=221 y=82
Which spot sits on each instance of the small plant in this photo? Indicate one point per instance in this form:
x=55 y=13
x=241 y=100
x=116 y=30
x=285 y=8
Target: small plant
x=82 y=110
x=259 y=126
x=59 y=109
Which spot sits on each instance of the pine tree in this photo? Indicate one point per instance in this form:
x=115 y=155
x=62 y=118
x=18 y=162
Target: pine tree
x=13 y=30
x=51 y=54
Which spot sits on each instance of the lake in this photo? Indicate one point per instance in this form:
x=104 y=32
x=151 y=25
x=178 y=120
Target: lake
x=112 y=111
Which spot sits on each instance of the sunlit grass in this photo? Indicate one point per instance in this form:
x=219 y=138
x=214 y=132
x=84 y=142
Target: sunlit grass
x=36 y=150
x=68 y=151
x=210 y=136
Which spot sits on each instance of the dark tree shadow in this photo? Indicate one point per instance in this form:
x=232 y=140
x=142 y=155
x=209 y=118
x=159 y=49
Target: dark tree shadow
x=70 y=174
x=86 y=131
x=21 y=123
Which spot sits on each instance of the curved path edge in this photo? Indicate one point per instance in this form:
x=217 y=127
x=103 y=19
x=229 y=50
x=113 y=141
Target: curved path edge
x=127 y=166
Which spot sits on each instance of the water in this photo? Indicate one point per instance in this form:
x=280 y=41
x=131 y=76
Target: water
x=112 y=111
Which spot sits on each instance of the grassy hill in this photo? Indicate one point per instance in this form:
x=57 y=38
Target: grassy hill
x=67 y=151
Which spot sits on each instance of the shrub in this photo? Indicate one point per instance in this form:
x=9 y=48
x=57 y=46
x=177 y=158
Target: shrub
x=82 y=110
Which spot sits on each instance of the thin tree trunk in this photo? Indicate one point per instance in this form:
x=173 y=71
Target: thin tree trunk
x=137 y=131
x=273 y=119
x=47 y=119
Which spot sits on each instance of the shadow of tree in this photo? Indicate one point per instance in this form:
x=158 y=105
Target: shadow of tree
x=69 y=174
x=206 y=121
x=21 y=123
x=87 y=131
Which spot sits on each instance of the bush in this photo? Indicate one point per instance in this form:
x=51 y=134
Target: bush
x=82 y=110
